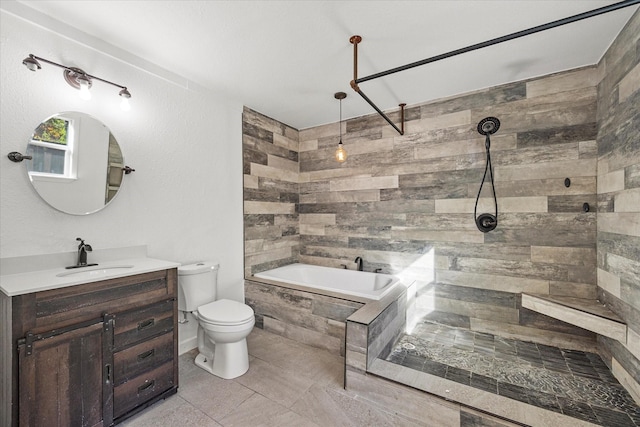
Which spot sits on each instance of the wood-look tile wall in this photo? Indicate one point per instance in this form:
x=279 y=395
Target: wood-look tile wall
x=271 y=171
x=618 y=238
x=315 y=320
x=405 y=203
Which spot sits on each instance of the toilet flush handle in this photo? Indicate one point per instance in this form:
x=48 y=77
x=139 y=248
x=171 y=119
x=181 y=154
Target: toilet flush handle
x=184 y=318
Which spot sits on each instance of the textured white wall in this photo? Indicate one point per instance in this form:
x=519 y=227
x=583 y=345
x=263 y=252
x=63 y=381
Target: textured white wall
x=185 y=199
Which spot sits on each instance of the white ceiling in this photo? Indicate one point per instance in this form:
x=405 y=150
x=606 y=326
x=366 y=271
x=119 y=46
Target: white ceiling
x=286 y=59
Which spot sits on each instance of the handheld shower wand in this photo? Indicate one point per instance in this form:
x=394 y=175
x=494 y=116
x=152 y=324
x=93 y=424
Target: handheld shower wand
x=486 y=221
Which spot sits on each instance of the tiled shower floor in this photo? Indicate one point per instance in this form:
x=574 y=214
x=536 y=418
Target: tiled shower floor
x=574 y=383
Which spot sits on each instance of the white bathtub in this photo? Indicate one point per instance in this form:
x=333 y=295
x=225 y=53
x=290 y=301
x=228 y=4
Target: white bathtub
x=350 y=282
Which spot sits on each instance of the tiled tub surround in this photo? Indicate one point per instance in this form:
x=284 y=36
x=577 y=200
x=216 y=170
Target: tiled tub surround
x=300 y=313
x=271 y=191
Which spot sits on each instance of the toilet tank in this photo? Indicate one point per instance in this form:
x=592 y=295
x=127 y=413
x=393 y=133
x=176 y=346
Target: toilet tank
x=197 y=285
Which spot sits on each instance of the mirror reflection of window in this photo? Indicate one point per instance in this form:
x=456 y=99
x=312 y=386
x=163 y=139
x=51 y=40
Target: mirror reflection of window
x=51 y=147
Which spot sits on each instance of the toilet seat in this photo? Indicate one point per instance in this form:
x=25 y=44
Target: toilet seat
x=226 y=312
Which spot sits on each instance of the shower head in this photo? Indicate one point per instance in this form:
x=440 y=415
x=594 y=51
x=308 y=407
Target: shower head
x=488 y=126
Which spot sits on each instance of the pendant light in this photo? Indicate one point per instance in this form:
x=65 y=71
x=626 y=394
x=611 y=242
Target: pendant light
x=341 y=154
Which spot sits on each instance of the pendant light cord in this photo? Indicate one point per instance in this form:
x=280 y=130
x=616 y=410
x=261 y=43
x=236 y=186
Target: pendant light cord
x=340 y=121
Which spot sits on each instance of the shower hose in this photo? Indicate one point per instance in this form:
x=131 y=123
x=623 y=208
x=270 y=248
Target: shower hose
x=487 y=222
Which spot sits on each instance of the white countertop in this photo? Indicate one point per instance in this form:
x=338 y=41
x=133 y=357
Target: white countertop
x=43 y=280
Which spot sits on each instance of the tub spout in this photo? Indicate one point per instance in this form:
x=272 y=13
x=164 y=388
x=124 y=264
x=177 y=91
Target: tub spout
x=358 y=261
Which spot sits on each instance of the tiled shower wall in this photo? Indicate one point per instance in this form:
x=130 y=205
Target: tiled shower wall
x=618 y=237
x=405 y=203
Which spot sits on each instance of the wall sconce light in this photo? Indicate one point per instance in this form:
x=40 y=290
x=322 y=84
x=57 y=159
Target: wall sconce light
x=341 y=153
x=78 y=79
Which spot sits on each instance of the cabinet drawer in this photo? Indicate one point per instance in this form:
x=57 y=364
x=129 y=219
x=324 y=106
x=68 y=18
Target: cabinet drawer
x=135 y=326
x=58 y=308
x=142 y=357
x=142 y=388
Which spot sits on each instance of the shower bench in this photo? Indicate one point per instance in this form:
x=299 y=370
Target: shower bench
x=585 y=313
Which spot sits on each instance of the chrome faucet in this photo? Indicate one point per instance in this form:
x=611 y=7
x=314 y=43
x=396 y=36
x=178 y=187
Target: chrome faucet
x=358 y=261
x=83 y=248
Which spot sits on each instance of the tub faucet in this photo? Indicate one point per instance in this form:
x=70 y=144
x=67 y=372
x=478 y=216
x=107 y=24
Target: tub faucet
x=358 y=261
x=83 y=248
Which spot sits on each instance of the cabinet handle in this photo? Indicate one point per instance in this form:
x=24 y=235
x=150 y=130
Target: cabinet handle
x=108 y=373
x=146 y=386
x=146 y=354
x=146 y=324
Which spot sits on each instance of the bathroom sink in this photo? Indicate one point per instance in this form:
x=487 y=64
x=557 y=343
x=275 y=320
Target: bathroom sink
x=93 y=272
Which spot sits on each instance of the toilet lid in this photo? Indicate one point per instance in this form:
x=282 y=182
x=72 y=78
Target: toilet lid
x=226 y=312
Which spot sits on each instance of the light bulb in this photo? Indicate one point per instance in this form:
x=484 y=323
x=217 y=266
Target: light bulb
x=84 y=93
x=85 y=84
x=124 y=104
x=341 y=153
x=125 y=95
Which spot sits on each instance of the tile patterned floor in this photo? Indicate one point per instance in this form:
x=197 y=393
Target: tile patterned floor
x=288 y=384
x=574 y=383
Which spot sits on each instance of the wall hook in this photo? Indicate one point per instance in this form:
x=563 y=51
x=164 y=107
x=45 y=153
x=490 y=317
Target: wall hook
x=127 y=170
x=14 y=156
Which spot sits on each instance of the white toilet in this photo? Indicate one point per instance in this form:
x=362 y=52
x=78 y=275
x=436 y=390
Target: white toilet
x=223 y=325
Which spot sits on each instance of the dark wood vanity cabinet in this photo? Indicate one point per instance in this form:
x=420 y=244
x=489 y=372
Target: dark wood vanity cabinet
x=144 y=355
x=94 y=354
x=60 y=379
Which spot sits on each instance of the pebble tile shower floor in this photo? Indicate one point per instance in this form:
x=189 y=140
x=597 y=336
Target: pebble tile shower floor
x=574 y=383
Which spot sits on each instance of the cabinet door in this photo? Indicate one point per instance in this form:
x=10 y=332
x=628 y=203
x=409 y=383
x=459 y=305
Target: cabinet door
x=61 y=379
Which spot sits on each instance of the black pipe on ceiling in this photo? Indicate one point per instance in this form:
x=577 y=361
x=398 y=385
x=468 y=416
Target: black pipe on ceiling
x=356 y=39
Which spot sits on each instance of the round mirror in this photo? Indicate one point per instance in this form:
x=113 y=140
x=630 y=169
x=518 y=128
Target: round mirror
x=77 y=165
